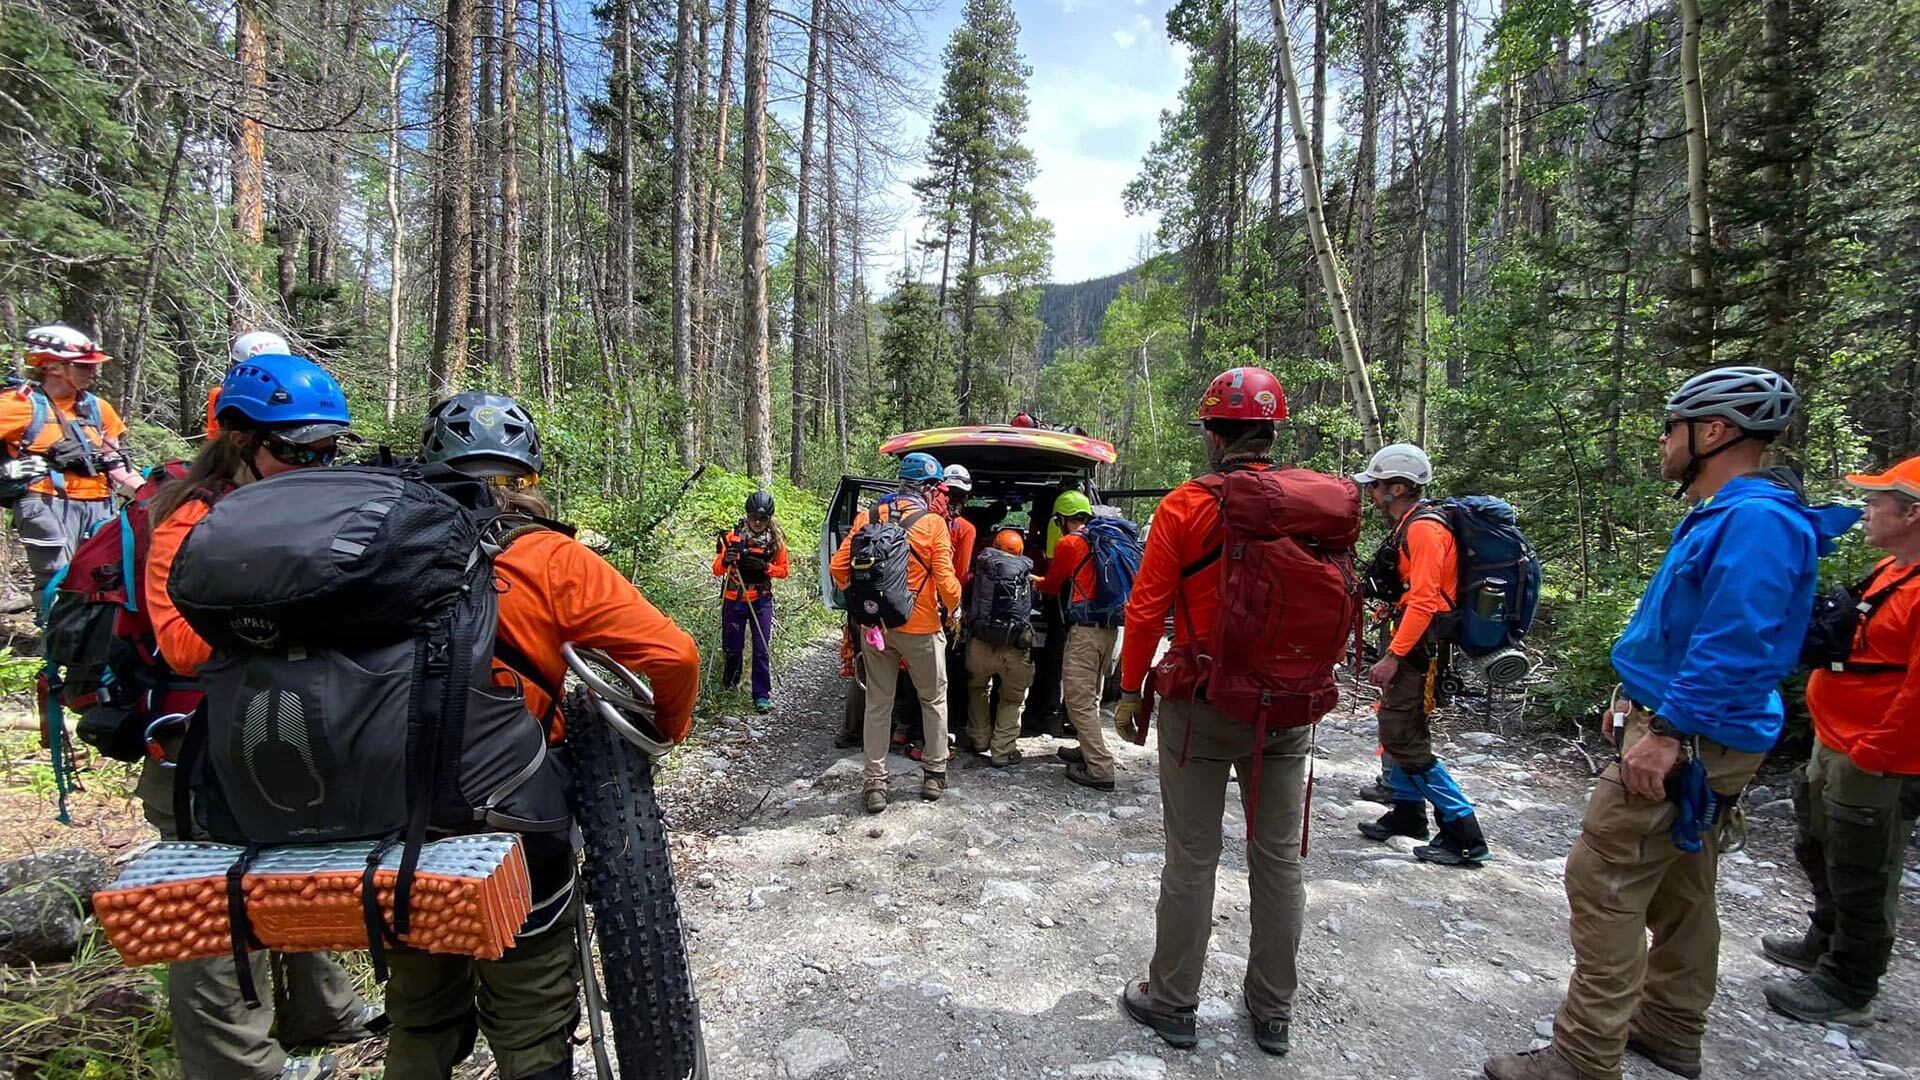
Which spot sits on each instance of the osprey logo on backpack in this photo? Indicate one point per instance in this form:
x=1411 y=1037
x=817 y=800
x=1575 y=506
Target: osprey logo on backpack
x=1113 y=548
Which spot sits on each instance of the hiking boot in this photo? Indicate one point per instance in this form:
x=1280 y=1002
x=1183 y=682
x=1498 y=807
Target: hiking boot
x=846 y=741
x=1071 y=755
x=1176 y=1028
x=1378 y=791
x=1007 y=762
x=1405 y=819
x=1460 y=844
x=875 y=798
x=371 y=1021
x=1675 y=1060
x=932 y=786
x=1077 y=772
x=311 y=1067
x=1796 y=951
x=1271 y=1036
x=762 y=705
x=1542 y=1064
x=1808 y=1000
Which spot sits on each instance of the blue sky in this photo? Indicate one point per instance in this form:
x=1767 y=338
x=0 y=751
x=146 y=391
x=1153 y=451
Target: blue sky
x=1102 y=72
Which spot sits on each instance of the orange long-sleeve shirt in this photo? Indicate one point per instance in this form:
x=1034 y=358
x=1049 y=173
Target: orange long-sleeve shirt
x=552 y=589
x=778 y=568
x=964 y=538
x=16 y=416
x=1070 y=559
x=1430 y=565
x=930 y=541
x=1186 y=529
x=1874 y=719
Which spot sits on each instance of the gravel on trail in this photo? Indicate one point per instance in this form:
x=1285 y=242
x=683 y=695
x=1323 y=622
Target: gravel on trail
x=988 y=935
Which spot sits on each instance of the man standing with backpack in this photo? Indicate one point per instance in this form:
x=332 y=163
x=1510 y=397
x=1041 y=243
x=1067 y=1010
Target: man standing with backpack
x=1856 y=798
x=1418 y=571
x=1097 y=562
x=999 y=646
x=1700 y=665
x=63 y=449
x=896 y=568
x=1255 y=564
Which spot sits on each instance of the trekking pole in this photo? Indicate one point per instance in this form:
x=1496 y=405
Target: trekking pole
x=753 y=620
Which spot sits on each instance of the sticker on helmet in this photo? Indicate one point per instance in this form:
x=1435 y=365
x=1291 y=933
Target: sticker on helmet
x=1266 y=401
x=487 y=416
x=1238 y=374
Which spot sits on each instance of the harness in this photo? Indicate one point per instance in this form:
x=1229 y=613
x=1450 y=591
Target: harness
x=88 y=409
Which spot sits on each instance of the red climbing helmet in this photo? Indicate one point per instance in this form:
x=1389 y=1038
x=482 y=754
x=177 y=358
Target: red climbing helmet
x=1023 y=420
x=1244 y=393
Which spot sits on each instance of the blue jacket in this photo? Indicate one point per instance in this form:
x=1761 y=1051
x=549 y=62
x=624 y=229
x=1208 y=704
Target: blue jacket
x=1723 y=620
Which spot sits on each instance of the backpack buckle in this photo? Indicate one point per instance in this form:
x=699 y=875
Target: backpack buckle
x=439 y=653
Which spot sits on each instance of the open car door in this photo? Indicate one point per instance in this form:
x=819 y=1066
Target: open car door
x=853 y=491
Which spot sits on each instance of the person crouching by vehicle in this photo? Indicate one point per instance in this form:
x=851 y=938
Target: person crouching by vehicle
x=553 y=590
x=999 y=646
x=64 y=449
x=1857 y=798
x=901 y=600
x=1419 y=571
x=1700 y=665
x=278 y=414
x=751 y=557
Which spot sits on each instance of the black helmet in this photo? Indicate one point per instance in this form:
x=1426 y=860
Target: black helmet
x=482 y=434
x=760 y=504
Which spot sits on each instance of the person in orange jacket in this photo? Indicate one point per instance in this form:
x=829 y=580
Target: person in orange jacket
x=750 y=557
x=1854 y=799
x=68 y=441
x=1089 y=649
x=214 y=1032
x=921 y=641
x=1419 y=566
x=965 y=536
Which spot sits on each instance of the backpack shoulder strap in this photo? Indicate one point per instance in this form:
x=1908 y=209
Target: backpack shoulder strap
x=1215 y=484
x=523 y=666
x=42 y=412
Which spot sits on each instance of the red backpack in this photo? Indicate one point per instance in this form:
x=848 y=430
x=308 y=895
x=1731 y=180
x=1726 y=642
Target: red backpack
x=1289 y=598
x=102 y=659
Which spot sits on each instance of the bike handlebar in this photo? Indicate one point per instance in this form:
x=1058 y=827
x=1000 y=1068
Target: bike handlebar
x=627 y=708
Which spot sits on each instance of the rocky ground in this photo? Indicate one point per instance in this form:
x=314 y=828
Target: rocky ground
x=988 y=935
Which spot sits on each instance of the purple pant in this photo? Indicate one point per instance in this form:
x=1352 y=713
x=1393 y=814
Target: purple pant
x=735 y=617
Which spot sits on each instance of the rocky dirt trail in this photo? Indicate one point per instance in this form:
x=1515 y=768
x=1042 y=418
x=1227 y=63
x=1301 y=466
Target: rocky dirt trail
x=988 y=935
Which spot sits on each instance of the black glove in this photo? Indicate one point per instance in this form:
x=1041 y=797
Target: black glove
x=753 y=567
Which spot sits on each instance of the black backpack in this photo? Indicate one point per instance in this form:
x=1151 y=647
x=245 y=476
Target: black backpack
x=877 y=593
x=1001 y=611
x=350 y=694
x=1839 y=615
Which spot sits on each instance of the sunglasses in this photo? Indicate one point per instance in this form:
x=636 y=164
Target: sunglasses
x=514 y=483
x=302 y=455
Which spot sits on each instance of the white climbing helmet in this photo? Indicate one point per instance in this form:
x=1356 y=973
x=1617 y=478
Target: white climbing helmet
x=1401 y=461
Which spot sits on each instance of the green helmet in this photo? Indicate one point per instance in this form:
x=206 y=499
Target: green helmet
x=1072 y=504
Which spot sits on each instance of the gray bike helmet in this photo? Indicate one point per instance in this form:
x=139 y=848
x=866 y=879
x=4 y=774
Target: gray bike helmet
x=482 y=434
x=1752 y=399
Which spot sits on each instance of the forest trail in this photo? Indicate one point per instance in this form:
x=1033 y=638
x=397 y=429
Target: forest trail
x=988 y=935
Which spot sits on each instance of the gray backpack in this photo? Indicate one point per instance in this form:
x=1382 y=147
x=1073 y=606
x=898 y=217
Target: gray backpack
x=1001 y=610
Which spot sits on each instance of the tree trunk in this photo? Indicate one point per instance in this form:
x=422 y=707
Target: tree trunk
x=1359 y=383
x=831 y=347
x=448 y=362
x=802 y=286
x=683 y=107
x=249 y=166
x=481 y=312
x=1699 y=215
x=708 y=347
x=510 y=214
x=1451 y=284
x=547 y=219
x=623 y=188
x=753 y=248
x=396 y=243
x=1319 y=74
x=149 y=279
x=1366 y=167
x=969 y=300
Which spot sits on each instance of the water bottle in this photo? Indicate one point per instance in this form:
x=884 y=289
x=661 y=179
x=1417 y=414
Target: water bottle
x=1490 y=601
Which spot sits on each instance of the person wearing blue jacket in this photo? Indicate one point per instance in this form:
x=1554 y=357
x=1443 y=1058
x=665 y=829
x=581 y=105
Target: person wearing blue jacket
x=1700 y=666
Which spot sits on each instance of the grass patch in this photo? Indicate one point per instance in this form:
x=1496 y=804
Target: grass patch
x=92 y=1019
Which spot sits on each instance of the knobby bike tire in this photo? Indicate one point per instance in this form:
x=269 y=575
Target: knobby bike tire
x=647 y=979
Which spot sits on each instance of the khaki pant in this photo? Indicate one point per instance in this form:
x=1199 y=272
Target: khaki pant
x=1013 y=666
x=926 y=657
x=1405 y=727
x=1853 y=827
x=1626 y=879
x=214 y=1031
x=1193 y=798
x=1083 y=674
x=526 y=1002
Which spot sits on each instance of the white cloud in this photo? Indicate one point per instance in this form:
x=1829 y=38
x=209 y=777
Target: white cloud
x=1123 y=39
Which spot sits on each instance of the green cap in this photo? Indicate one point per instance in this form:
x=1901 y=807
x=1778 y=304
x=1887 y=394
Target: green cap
x=1072 y=504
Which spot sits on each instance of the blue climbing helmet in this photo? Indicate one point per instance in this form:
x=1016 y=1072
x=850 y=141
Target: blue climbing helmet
x=290 y=395
x=920 y=469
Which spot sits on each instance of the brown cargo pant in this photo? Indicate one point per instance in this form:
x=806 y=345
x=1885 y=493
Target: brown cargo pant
x=214 y=1032
x=1013 y=666
x=926 y=657
x=1083 y=673
x=1624 y=879
x=1406 y=730
x=1193 y=799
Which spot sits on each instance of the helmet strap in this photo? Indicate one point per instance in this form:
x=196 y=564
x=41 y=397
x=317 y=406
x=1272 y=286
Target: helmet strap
x=1695 y=459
